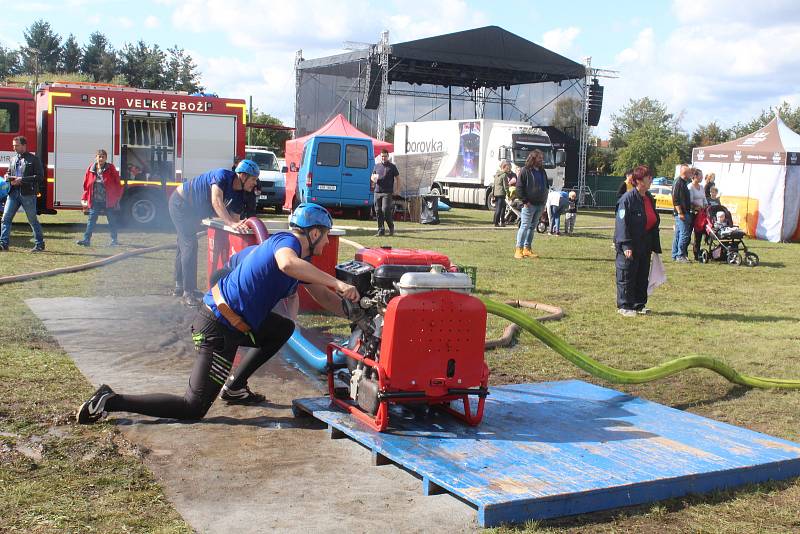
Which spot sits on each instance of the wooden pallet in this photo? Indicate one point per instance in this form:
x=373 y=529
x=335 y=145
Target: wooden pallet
x=562 y=448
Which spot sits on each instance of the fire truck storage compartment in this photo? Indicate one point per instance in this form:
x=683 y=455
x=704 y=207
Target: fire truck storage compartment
x=209 y=142
x=148 y=141
x=79 y=133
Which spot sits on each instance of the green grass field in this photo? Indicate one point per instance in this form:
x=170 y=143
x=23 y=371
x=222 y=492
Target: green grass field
x=57 y=477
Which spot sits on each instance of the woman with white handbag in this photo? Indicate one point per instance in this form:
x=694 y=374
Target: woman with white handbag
x=636 y=237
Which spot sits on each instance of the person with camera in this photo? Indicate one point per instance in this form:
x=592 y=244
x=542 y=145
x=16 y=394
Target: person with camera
x=25 y=174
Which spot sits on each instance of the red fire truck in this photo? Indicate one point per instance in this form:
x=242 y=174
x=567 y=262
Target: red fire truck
x=156 y=139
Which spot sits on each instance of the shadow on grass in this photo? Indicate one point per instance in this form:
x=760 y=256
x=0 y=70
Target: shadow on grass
x=729 y=316
x=735 y=392
x=586 y=522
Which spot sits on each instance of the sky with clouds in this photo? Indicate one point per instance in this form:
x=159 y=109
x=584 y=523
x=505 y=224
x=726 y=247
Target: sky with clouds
x=708 y=60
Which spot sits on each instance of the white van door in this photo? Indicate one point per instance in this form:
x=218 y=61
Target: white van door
x=79 y=133
x=209 y=142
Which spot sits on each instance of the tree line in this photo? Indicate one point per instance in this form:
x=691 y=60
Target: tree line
x=140 y=65
x=644 y=132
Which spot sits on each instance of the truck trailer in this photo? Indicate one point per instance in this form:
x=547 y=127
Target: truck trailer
x=459 y=158
x=157 y=139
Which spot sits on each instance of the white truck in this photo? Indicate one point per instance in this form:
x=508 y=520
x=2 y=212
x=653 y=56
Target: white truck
x=459 y=158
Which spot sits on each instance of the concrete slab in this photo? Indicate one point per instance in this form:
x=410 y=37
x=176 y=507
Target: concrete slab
x=246 y=469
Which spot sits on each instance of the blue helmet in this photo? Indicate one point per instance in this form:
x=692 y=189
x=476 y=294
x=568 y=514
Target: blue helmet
x=308 y=215
x=5 y=188
x=248 y=166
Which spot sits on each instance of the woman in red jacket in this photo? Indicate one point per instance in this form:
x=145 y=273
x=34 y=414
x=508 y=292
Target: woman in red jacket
x=101 y=193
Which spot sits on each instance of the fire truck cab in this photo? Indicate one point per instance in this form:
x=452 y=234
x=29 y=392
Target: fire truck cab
x=156 y=139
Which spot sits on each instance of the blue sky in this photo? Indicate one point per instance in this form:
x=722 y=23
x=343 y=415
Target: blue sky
x=707 y=60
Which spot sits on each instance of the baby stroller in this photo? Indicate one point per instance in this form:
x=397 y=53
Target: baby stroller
x=723 y=240
x=512 y=216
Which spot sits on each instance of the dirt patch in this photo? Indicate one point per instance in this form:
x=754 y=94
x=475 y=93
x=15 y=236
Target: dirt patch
x=241 y=468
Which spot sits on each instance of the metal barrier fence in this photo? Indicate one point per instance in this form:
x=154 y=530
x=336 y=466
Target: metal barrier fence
x=605 y=199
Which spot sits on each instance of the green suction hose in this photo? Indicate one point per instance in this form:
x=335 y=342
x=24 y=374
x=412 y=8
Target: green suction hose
x=619 y=376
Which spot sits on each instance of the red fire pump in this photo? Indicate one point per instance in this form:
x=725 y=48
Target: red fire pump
x=417 y=336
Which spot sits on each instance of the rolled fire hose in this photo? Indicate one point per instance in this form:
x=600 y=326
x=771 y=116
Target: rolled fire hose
x=619 y=376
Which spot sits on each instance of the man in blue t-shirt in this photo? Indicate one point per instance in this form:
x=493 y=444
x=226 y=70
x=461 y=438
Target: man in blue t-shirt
x=237 y=312
x=219 y=192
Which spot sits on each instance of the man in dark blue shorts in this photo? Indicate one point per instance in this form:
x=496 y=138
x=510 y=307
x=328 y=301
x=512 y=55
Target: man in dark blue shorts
x=220 y=192
x=237 y=311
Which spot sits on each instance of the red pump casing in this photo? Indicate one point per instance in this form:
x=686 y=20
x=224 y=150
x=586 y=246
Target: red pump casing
x=432 y=347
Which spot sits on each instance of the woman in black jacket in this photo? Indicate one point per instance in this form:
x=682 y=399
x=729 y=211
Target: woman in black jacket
x=636 y=237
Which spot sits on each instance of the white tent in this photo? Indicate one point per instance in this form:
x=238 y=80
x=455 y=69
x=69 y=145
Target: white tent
x=758 y=177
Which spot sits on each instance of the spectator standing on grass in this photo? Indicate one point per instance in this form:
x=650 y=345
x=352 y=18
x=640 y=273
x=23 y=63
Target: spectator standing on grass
x=386 y=179
x=219 y=192
x=572 y=213
x=237 y=312
x=710 y=177
x=531 y=190
x=26 y=175
x=626 y=184
x=636 y=236
x=500 y=190
x=681 y=203
x=713 y=198
x=698 y=200
x=101 y=193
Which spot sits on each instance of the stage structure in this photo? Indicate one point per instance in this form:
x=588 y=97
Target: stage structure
x=481 y=73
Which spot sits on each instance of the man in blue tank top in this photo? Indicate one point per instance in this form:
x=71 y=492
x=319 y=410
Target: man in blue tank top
x=217 y=193
x=237 y=312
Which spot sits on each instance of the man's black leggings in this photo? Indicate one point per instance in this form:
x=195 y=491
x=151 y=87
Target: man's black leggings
x=216 y=346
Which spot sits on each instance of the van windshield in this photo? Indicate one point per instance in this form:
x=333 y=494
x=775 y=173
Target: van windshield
x=265 y=160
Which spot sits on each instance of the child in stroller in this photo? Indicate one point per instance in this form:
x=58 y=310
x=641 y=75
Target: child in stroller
x=723 y=240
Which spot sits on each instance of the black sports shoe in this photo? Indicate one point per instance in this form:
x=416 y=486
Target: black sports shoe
x=3 y=248
x=37 y=248
x=240 y=396
x=93 y=409
x=83 y=243
x=177 y=291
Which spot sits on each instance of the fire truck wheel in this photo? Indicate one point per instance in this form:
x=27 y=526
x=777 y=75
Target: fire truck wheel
x=490 y=200
x=143 y=208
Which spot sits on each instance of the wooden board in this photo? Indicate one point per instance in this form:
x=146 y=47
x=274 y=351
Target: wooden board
x=562 y=448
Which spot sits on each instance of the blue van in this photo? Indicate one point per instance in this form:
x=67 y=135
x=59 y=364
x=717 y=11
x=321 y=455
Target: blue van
x=335 y=172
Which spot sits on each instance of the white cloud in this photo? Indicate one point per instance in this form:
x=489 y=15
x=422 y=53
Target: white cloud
x=125 y=22
x=152 y=22
x=262 y=63
x=560 y=39
x=722 y=62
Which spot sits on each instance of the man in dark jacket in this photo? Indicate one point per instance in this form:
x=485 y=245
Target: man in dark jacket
x=683 y=216
x=25 y=174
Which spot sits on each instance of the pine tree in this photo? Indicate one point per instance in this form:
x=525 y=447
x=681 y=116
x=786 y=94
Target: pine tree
x=42 y=49
x=9 y=62
x=181 y=72
x=70 y=56
x=96 y=57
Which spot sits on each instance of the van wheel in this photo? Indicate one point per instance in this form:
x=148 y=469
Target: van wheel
x=143 y=208
x=436 y=189
x=295 y=203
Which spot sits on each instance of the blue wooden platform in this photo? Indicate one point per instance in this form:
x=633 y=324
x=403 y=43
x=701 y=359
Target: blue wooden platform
x=561 y=448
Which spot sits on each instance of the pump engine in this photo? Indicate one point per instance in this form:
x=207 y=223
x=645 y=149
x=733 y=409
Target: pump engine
x=416 y=335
